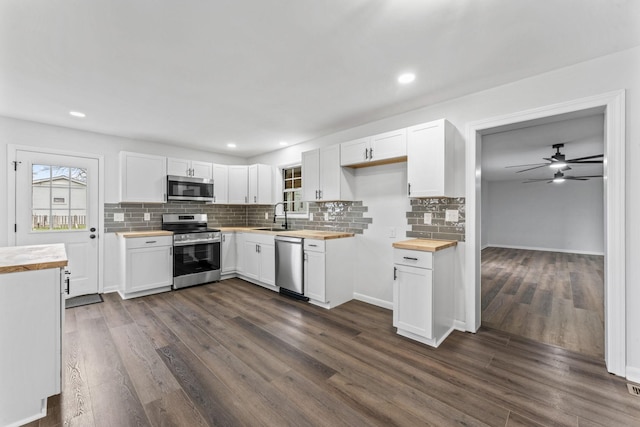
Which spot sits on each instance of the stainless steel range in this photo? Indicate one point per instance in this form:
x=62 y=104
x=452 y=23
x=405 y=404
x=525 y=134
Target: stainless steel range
x=196 y=249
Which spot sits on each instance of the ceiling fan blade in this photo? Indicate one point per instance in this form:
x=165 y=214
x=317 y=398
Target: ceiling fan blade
x=587 y=162
x=522 y=166
x=585 y=158
x=529 y=181
x=576 y=178
x=530 y=169
x=588 y=176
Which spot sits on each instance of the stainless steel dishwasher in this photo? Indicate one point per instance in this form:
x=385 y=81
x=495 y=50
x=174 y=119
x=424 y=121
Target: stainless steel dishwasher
x=290 y=266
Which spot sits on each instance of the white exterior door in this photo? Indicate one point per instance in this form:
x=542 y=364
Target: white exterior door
x=57 y=201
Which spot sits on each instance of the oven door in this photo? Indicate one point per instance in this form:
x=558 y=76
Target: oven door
x=195 y=264
x=184 y=188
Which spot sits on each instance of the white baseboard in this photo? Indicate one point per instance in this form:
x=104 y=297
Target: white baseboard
x=373 y=301
x=534 y=248
x=633 y=374
x=110 y=289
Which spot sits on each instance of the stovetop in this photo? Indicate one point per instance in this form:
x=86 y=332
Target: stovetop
x=186 y=223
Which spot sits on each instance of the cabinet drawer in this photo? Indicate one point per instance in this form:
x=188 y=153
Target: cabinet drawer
x=314 y=245
x=148 y=242
x=419 y=259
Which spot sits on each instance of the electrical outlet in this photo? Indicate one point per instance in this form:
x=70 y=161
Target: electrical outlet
x=451 y=215
x=326 y=216
x=427 y=218
x=118 y=217
x=266 y=215
x=310 y=216
x=147 y=216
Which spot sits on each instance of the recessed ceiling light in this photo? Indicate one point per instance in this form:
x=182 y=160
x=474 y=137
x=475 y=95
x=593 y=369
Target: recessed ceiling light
x=231 y=145
x=406 y=78
x=284 y=143
x=77 y=114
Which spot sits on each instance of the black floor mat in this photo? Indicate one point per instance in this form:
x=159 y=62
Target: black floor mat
x=83 y=300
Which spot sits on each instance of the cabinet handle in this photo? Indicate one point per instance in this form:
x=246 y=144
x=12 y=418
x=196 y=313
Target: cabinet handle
x=255 y=199
x=67 y=280
x=410 y=258
x=171 y=250
x=150 y=241
x=366 y=153
x=313 y=246
x=316 y=194
x=409 y=189
x=320 y=193
x=395 y=273
x=371 y=153
x=224 y=237
x=214 y=199
x=245 y=199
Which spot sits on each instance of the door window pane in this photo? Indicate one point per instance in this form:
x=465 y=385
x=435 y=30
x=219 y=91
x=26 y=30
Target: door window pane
x=58 y=198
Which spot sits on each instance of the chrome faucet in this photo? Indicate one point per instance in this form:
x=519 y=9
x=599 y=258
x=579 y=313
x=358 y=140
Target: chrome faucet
x=284 y=208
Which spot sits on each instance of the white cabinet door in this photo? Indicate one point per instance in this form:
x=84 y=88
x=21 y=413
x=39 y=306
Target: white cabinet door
x=355 y=152
x=388 y=145
x=261 y=184
x=220 y=184
x=143 y=178
x=240 y=248
x=267 y=255
x=310 y=175
x=238 y=184
x=251 y=260
x=228 y=253
x=148 y=268
x=178 y=167
x=413 y=300
x=330 y=173
x=314 y=276
x=201 y=169
x=430 y=160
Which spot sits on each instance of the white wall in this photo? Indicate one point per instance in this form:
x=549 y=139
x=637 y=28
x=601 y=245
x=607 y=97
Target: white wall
x=602 y=75
x=567 y=217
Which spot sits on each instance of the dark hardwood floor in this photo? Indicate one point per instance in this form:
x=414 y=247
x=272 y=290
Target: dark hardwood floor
x=232 y=353
x=552 y=297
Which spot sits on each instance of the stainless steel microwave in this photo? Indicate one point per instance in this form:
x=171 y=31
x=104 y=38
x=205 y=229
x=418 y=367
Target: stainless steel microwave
x=189 y=188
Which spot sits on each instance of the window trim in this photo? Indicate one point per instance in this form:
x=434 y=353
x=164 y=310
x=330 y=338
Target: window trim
x=280 y=190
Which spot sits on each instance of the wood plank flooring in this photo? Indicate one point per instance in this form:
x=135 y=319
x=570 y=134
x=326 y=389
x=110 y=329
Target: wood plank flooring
x=234 y=354
x=552 y=297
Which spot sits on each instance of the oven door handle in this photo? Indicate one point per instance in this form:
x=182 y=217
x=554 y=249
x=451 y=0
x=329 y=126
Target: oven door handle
x=202 y=242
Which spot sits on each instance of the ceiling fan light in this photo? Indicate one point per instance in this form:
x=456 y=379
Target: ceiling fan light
x=558 y=165
x=558 y=180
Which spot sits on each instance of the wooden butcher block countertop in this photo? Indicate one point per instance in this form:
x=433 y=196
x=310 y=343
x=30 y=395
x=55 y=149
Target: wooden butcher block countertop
x=425 y=245
x=149 y=233
x=36 y=257
x=307 y=234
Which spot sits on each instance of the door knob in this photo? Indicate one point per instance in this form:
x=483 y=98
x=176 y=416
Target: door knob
x=92 y=236
x=92 y=229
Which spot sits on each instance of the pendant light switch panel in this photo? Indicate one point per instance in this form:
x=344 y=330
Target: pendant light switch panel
x=118 y=217
x=427 y=218
x=451 y=215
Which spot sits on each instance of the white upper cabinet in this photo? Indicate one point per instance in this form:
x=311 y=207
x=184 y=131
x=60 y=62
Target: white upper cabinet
x=238 y=184
x=220 y=184
x=430 y=160
x=388 y=147
x=143 y=177
x=261 y=179
x=323 y=179
x=191 y=168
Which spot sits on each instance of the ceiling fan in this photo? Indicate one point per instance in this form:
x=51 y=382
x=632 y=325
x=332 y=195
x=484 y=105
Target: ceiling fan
x=560 y=177
x=560 y=162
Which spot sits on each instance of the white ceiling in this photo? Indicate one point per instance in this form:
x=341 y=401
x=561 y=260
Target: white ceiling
x=256 y=72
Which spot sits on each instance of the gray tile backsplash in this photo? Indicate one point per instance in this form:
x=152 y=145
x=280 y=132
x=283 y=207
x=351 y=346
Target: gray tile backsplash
x=439 y=227
x=341 y=216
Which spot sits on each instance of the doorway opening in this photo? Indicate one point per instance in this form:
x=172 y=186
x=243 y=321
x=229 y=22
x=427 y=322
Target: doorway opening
x=612 y=106
x=542 y=257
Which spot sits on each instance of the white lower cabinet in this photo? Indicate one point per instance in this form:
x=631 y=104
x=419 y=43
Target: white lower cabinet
x=258 y=258
x=147 y=265
x=423 y=289
x=228 y=253
x=328 y=275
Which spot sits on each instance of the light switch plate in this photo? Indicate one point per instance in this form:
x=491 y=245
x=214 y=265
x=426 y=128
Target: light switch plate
x=427 y=218
x=266 y=215
x=118 y=217
x=147 y=216
x=451 y=215
x=326 y=216
x=310 y=216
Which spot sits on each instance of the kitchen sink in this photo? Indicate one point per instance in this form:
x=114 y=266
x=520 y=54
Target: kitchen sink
x=272 y=229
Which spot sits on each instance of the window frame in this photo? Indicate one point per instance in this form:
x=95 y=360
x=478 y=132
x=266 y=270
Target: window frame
x=281 y=190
